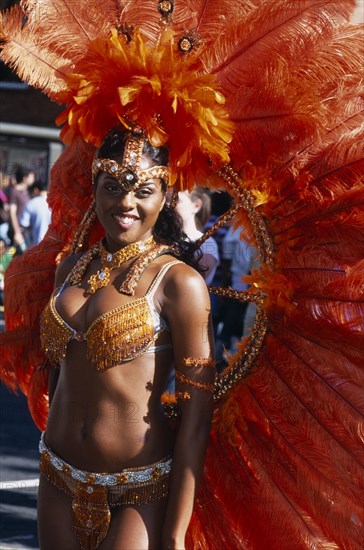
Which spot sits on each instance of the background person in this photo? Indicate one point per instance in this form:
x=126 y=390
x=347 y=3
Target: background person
x=220 y=203
x=36 y=215
x=4 y=208
x=194 y=209
x=18 y=198
x=240 y=257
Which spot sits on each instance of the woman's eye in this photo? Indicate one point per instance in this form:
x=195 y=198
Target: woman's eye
x=144 y=192
x=111 y=187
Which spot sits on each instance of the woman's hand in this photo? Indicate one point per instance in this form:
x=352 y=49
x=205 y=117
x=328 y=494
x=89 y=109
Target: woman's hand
x=18 y=238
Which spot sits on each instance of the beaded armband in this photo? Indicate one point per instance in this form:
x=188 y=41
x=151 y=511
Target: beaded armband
x=204 y=386
x=199 y=362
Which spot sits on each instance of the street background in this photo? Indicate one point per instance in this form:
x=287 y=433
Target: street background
x=18 y=462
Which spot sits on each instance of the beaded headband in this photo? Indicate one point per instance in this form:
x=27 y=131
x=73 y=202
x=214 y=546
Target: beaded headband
x=128 y=174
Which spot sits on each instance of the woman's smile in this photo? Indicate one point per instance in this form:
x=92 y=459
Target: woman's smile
x=125 y=221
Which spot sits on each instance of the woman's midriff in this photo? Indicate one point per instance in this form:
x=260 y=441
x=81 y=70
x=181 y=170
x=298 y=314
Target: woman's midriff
x=104 y=422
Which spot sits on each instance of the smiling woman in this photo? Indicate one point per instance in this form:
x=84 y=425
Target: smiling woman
x=117 y=321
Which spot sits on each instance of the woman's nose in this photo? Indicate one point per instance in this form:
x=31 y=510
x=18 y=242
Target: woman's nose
x=127 y=200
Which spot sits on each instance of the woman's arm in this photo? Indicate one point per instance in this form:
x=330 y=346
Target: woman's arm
x=13 y=220
x=188 y=311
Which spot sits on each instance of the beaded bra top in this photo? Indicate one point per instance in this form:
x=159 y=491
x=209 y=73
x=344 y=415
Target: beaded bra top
x=117 y=336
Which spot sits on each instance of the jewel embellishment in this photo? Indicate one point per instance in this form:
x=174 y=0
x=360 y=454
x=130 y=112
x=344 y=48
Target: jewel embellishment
x=189 y=41
x=128 y=173
x=165 y=7
x=114 y=261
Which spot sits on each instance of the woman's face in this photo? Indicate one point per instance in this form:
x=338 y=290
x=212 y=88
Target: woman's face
x=128 y=217
x=186 y=207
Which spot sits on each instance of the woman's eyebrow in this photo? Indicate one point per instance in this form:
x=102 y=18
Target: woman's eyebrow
x=147 y=184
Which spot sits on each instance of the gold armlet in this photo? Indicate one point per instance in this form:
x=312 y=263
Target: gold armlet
x=204 y=386
x=199 y=362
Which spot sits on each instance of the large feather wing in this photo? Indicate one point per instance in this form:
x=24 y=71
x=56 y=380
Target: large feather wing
x=277 y=88
x=296 y=464
x=286 y=463
x=44 y=39
x=268 y=32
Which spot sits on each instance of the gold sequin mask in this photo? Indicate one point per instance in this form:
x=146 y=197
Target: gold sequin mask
x=128 y=174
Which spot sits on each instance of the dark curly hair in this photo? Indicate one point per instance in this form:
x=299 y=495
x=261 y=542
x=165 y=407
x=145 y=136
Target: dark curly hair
x=169 y=228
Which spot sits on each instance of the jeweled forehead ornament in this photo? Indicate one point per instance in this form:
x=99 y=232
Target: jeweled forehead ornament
x=128 y=174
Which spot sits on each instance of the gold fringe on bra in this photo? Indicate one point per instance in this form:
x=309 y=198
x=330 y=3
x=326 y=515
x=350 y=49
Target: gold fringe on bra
x=121 y=334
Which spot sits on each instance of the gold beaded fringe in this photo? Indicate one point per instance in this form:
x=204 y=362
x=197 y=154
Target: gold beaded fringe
x=54 y=334
x=120 y=335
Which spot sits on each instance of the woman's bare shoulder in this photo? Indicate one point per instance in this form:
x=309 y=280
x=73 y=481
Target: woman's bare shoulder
x=182 y=279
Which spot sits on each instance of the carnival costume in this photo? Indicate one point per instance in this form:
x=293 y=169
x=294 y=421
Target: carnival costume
x=94 y=494
x=263 y=99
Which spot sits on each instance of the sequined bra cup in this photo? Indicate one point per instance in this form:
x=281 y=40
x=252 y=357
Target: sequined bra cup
x=119 y=335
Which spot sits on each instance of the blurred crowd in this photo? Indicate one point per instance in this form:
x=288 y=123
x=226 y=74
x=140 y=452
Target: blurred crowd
x=24 y=215
x=225 y=258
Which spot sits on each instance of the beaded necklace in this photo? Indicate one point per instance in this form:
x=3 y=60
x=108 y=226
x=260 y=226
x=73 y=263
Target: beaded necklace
x=109 y=262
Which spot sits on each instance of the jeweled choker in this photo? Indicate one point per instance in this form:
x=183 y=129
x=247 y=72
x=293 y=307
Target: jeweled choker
x=111 y=261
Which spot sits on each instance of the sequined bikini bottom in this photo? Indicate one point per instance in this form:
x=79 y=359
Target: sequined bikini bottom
x=94 y=493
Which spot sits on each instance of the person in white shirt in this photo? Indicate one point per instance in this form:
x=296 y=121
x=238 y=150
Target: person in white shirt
x=36 y=215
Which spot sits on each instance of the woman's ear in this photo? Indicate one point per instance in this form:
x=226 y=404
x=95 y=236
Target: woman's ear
x=197 y=205
x=163 y=203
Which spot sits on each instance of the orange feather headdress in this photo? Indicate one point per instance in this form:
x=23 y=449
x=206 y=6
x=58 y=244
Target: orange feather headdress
x=116 y=77
x=120 y=80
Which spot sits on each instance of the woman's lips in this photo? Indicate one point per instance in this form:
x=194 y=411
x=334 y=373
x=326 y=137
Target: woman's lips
x=125 y=221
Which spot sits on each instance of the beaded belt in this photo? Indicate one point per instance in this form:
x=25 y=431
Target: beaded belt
x=94 y=493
